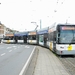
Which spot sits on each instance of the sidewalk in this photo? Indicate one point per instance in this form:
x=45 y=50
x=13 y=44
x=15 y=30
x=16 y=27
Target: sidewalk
x=48 y=64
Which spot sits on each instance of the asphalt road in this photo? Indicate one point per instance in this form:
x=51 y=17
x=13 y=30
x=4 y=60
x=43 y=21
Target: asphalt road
x=13 y=58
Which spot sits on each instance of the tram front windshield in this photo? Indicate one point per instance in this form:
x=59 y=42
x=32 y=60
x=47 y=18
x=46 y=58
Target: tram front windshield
x=8 y=38
x=32 y=37
x=66 y=37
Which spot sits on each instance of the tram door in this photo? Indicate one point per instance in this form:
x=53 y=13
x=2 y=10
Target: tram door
x=45 y=39
x=54 y=41
x=38 y=39
x=25 y=39
x=16 y=38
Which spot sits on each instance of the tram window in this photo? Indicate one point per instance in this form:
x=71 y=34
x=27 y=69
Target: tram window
x=54 y=35
x=34 y=37
x=20 y=37
x=47 y=39
x=5 y=38
x=58 y=34
x=29 y=37
x=11 y=37
x=41 y=38
x=51 y=36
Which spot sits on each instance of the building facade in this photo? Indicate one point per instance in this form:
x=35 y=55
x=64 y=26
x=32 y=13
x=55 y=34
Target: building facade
x=4 y=30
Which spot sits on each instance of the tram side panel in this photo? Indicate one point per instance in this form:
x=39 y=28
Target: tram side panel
x=52 y=41
x=42 y=37
x=45 y=39
x=21 y=37
x=25 y=39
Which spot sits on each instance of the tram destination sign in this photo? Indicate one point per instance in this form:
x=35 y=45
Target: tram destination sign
x=67 y=28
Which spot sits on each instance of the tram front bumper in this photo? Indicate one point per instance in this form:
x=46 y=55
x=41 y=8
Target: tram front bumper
x=65 y=52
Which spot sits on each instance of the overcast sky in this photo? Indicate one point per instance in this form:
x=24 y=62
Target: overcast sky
x=18 y=14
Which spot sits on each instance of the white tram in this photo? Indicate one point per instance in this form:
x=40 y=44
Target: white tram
x=32 y=37
x=9 y=38
x=62 y=39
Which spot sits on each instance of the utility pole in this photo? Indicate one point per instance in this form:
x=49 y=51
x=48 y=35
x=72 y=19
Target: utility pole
x=40 y=24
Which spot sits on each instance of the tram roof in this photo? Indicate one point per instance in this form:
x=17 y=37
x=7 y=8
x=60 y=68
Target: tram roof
x=43 y=31
x=32 y=31
x=20 y=33
x=56 y=24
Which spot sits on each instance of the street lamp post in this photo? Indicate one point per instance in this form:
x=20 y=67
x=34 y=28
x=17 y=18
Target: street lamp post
x=40 y=24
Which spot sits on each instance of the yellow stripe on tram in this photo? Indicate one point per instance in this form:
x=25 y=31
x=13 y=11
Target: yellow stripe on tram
x=8 y=41
x=70 y=47
x=51 y=45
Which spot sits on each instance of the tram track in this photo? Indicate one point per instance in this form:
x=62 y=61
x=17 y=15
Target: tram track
x=69 y=63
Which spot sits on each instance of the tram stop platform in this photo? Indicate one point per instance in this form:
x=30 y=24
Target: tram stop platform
x=48 y=64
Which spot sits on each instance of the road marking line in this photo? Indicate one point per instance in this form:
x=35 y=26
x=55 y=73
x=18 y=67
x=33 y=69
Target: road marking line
x=14 y=46
x=10 y=50
x=27 y=63
x=9 y=47
x=27 y=47
x=3 y=54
